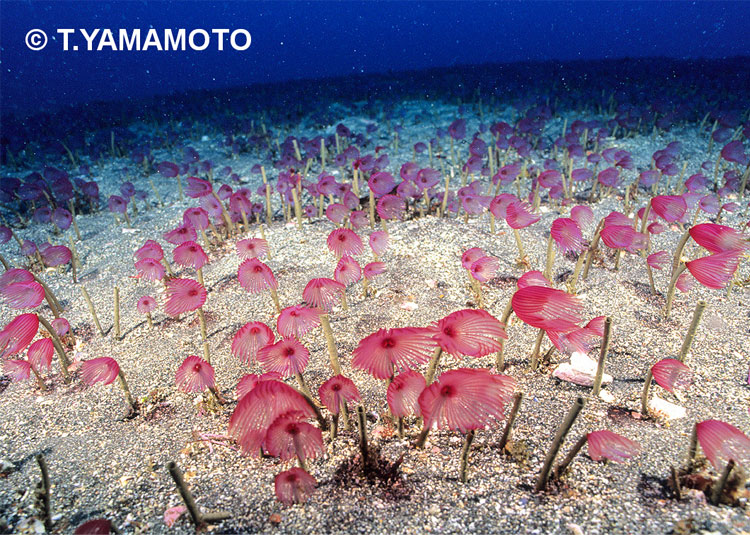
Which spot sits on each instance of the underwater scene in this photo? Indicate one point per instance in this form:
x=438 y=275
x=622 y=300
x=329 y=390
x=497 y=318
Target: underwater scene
x=374 y=267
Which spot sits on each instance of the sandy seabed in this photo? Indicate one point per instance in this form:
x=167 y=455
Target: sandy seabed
x=104 y=465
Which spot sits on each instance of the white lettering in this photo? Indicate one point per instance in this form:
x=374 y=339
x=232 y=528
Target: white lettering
x=172 y=43
x=89 y=38
x=221 y=32
x=65 y=32
x=130 y=43
x=206 y=39
x=107 y=39
x=233 y=39
x=152 y=40
x=166 y=39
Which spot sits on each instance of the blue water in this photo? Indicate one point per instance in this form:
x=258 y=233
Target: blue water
x=302 y=40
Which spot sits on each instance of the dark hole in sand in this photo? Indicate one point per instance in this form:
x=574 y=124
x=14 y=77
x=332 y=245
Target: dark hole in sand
x=169 y=322
x=158 y=411
x=503 y=281
x=382 y=474
x=89 y=275
x=562 y=277
x=555 y=487
x=643 y=290
x=653 y=319
x=84 y=331
x=622 y=415
x=224 y=283
x=622 y=353
x=76 y=386
x=4 y=382
x=572 y=256
x=653 y=488
x=210 y=318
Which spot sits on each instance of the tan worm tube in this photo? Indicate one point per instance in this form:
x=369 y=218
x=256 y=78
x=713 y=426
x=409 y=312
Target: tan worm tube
x=64 y=362
x=697 y=315
x=651 y=278
x=74 y=262
x=560 y=468
x=92 y=310
x=128 y=396
x=371 y=209
x=511 y=420
x=363 y=449
x=325 y=324
x=44 y=492
x=562 y=432
x=432 y=368
x=519 y=243
x=645 y=391
x=576 y=272
x=602 y=356
x=670 y=291
x=592 y=249
x=39 y=381
x=718 y=487
x=117 y=313
x=297 y=208
x=199 y=519
x=537 y=348
x=275 y=297
x=302 y=384
x=52 y=301
x=464 y=471
x=500 y=357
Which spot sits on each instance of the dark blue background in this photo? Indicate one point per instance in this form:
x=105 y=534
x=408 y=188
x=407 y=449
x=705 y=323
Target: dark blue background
x=293 y=40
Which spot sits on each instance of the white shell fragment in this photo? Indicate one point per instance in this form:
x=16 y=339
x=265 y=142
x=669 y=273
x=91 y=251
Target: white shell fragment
x=581 y=370
x=666 y=409
x=409 y=305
